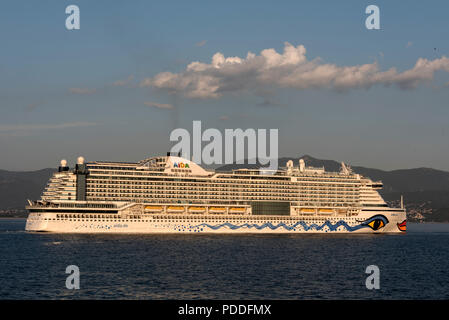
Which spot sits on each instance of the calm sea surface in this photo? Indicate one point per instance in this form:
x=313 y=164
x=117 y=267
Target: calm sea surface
x=412 y=266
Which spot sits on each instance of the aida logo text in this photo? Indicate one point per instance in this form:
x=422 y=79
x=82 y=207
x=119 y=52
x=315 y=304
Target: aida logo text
x=180 y=165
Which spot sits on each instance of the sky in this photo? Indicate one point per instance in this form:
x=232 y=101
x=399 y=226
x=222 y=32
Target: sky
x=134 y=71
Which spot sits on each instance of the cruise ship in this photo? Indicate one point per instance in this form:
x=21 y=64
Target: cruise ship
x=171 y=194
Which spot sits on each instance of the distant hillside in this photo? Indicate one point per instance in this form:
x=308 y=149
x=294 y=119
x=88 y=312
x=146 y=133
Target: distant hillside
x=17 y=186
x=425 y=190
x=405 y=180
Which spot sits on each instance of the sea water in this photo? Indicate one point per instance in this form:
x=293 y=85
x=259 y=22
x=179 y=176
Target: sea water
x=302 y=266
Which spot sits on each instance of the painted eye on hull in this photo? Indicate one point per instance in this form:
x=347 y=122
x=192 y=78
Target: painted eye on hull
x=376 y=222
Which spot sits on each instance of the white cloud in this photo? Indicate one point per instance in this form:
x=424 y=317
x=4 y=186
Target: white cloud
x=158 y=105
x=201 y=43
x=82 y=90
x=289 y=69
x=121 y=83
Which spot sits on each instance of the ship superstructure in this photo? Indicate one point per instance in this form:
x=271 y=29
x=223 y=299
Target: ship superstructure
x=172 y=194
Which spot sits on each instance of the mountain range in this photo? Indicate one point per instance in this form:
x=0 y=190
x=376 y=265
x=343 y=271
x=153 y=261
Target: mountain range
x=425 y=190
x=17 y=186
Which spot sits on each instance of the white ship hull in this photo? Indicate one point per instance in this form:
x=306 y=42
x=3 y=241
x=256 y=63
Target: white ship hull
x=366 y=222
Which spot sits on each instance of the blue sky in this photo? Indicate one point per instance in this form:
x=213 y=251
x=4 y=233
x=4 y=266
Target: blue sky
x=69 y=93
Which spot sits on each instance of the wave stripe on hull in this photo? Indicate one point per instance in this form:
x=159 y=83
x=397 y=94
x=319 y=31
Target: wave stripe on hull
x=332 y=227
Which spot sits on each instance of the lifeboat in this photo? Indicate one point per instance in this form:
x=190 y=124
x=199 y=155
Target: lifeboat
x=153 y=208
x=307 y=211
x=237 y=210
x=175 y=209
x=326 y=211
x=217 y=210
x=197 y=209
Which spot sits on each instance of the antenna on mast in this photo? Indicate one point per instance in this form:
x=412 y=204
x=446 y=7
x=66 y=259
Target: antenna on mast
x=302 y=165
x=345 y=169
